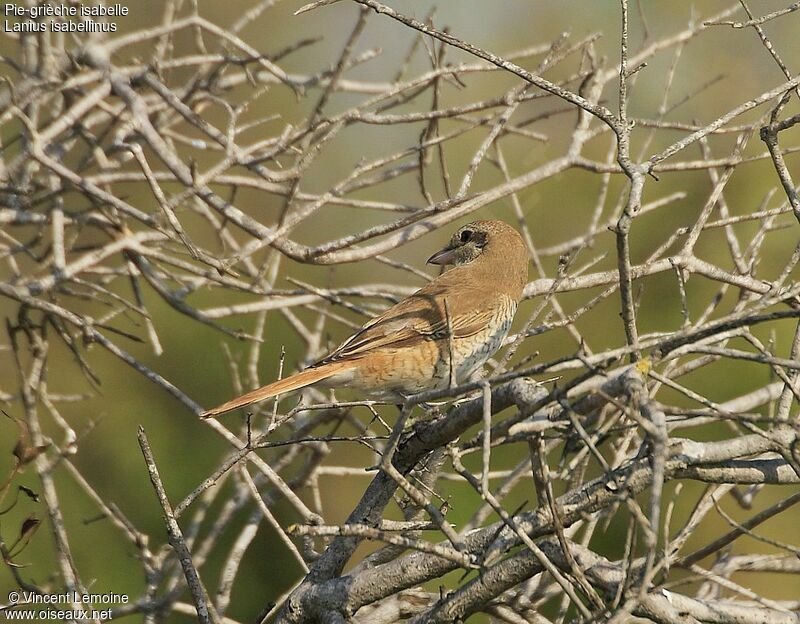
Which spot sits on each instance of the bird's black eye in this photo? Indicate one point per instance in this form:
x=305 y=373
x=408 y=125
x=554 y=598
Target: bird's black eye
x=466 y=236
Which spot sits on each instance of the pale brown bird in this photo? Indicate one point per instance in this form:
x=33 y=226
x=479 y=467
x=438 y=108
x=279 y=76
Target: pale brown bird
x=466 y=311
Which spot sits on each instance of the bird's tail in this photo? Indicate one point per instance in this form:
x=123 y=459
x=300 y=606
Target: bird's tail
x=295 y=382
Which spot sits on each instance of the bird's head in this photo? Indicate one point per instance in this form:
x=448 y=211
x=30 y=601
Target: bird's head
x=476 y=239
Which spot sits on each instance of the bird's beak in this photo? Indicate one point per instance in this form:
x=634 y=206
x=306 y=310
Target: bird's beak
x=443 y=256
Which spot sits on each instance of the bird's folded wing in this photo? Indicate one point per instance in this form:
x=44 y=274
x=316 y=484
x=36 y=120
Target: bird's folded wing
x=414 y=320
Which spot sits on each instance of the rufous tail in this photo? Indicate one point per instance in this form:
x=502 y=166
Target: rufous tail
x=295 y=382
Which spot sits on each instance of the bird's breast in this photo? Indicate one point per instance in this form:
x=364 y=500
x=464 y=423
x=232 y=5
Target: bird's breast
x=471 y=352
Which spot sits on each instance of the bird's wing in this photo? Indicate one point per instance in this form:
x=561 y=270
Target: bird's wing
x=420 y=317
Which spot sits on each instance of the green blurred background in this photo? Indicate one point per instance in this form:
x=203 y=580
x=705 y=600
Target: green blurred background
x=735 y=64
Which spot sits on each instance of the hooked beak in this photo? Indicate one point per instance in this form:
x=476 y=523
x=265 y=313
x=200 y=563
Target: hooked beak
x=443 y=256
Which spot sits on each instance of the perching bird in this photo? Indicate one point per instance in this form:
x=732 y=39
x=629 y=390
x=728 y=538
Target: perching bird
x=466 y=312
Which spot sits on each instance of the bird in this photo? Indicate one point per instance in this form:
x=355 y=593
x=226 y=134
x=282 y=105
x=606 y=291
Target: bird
x=443 y=332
